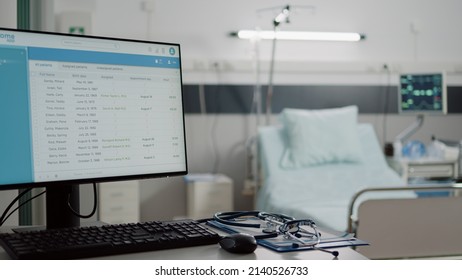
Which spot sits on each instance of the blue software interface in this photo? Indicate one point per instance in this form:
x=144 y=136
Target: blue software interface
x=83 y=107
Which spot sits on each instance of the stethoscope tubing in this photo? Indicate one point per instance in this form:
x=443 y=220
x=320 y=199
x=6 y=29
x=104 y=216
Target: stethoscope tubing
x=282 y=221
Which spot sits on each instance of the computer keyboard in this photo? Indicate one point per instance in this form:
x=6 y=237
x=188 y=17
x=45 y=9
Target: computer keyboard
x=95 y=241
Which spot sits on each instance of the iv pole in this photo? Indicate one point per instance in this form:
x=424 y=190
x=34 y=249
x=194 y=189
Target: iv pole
x=251 y=165
x=255 y=176
x=282 y=16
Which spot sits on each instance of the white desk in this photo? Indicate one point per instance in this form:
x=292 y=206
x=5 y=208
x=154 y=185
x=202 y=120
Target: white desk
x=214 y=252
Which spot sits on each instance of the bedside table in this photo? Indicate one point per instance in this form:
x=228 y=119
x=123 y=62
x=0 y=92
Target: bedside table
x=424 y=168
x=119 y=202
x=208 y=194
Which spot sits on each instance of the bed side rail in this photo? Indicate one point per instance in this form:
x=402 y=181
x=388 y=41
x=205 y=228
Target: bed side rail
x=408 y=227
x=429 y=188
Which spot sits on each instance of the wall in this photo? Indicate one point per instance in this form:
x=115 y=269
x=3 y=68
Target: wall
x=8 y=13
x=201 y=27
x=404 y=35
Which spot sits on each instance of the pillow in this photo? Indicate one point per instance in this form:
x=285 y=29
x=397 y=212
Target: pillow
x=317 y=137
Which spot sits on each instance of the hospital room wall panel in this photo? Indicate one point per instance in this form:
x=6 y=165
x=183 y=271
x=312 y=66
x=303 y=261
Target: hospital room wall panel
x=238 y=99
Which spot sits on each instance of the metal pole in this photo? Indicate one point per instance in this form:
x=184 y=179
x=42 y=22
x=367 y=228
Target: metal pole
x=269 y=95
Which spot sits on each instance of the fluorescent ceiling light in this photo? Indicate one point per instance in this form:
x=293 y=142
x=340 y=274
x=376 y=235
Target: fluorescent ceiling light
x=300 y=35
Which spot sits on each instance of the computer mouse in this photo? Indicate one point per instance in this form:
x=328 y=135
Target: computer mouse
x=239 y=243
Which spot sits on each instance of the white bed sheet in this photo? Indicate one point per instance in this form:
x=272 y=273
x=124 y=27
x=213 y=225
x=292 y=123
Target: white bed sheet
x=323 y=192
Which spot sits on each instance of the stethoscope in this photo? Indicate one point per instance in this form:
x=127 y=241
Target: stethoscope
x=289 y=227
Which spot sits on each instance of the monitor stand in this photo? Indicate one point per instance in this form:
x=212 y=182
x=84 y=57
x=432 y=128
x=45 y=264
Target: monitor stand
x=401 y=138
x=58 y=214
x=59 y=199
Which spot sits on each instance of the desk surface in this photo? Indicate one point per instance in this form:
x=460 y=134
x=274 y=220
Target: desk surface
x=214 y=252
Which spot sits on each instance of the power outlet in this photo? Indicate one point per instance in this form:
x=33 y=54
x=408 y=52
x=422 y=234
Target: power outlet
x=220 y=66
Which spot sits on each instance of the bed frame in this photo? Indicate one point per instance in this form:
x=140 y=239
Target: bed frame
x=424 y=227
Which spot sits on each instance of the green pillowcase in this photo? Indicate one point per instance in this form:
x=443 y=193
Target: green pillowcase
x=317 y=137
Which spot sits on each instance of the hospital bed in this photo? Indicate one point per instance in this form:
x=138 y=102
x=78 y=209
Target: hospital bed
x=366 y=197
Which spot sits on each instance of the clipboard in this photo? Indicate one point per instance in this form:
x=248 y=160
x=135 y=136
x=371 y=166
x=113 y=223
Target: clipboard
x=278 y=243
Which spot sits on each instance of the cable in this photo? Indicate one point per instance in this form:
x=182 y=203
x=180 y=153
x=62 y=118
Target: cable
x=202 y=103
x=12 y=203
x=386 y=105
x=333 y=253
x=213 y=131
x=3 y=218
x=5 y=214
x=95 y=204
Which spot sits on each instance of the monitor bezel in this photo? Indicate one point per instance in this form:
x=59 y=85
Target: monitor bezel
x=143 y=176
x=444 y=96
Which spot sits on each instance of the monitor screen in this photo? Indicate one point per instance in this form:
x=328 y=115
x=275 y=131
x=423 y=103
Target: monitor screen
x=78 y=109
x=422 y=94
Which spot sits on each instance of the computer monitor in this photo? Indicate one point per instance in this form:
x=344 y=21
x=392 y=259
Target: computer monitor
x=422 y=93
x=83 y=109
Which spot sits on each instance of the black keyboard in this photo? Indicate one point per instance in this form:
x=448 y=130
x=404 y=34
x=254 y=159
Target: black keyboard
x=95 y=241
